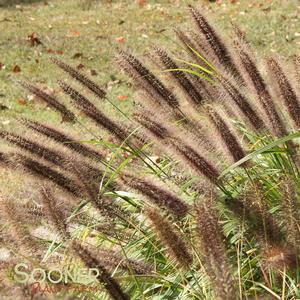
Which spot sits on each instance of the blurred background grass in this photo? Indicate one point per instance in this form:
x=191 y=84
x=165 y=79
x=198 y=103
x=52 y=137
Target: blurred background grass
x=86 y=32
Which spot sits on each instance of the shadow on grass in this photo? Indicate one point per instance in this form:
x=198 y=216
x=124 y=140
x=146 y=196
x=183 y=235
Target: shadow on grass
x=8 y=3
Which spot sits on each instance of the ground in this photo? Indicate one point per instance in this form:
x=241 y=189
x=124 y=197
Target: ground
x=85 y=33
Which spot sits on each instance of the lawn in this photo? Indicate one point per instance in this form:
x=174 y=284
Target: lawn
x=86 y=34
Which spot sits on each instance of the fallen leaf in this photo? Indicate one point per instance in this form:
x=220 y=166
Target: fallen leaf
x=77 y=55
x=3 y=107
x=141 y=2
x=2 y=66
x=73 y=33
x=122 y=97
x=22 y=101
x=33 y=39
x=93 y=72
x=49 y=50
x=120 y=39
x=16 y=69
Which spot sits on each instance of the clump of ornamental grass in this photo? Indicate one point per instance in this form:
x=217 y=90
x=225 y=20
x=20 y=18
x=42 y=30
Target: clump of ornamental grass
x=193 y=196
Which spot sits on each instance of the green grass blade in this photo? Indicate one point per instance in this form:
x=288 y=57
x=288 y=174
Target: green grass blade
x=260 y=151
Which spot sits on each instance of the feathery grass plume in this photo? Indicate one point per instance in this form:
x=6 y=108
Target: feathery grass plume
x=112 y=287
x=112 y=259
x=180 y=78
x=53 y=156
x=297 y=68
x=92 y=112
x=198 y=163
x=42 y=171
x=143 y=78
x=174 y=145
x=90 y=187
x=31 y=210
x=17 y=227
x=279 y=258
x=194 y=42
x=216 y=44
x=50 y=100
x=275 y=252
x=64 y=139
x=80 y=77
x=290 y=211
x=266 y=223
x=53 y=213
x=175 y=243
x=260 y=223
x=286 y=90
x=240 y=34
x=189 y=44
x=261 y=89
x=243 y=104
x=156 y=194
x=157 y=130
x=34 y=148
x=232 y=144
x=4 y=159
x=160 y=132
x=213 y=249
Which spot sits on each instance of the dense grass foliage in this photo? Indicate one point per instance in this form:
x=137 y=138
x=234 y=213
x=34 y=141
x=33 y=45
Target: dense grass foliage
x=192 y=196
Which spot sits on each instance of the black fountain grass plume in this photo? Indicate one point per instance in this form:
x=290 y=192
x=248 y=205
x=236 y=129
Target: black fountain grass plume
x=213 y=249
x=243 y=104
x=155 y=193
x=53 y=213
x=64 y=139
x=176 y=246
x=35 y=148
x=253 y=211
x=58 y=158
x=41 y=171
x=286 y=91
x=296 y=60
x=110 y=284
x=191 y=45
x=113 y=259
x=80 y=77
x=50 y=100
x=92 y=112
x=90 y=188
x=290 y=209
x=190 y=91
x=18 y=228
x=230 y=141
x=145 y=79
x=259 y=85
x=217 y=45
x=175 y=146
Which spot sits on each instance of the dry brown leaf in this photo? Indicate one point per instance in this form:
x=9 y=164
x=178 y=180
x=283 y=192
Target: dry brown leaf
x=16 y=69
x=122 y=97
x=33 y=39
x=120 y=39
